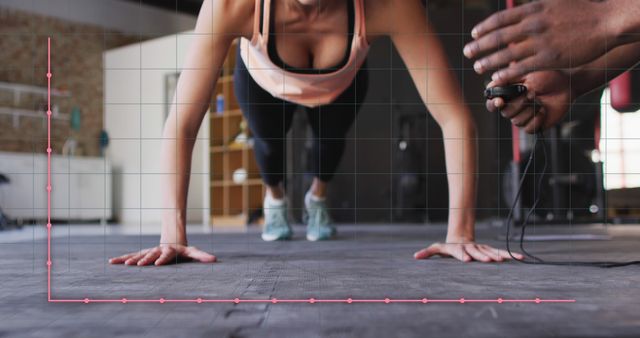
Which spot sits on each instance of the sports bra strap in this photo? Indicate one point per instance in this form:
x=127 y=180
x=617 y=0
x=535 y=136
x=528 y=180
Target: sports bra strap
x=362 y=17
x=256 y=19
x=266 y=17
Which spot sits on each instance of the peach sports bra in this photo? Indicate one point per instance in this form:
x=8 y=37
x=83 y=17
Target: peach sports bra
x=310 y=88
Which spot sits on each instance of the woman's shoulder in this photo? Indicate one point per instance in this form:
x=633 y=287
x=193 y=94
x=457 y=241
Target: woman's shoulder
x=237 y=15
x=377 y=18
x=379 y=14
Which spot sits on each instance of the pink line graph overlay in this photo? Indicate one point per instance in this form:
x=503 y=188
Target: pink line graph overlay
x=234 y=300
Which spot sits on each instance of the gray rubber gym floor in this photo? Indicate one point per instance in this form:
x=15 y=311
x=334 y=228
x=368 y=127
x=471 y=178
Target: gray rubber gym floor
x=365 y=262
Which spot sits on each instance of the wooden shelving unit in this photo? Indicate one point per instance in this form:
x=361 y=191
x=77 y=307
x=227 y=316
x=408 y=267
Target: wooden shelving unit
x=231 y=203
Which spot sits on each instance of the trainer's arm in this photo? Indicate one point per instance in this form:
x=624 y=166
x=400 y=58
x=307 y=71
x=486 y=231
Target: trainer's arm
x=598 y=73
x=427 y=63
x=551 y=35
x=555 y=91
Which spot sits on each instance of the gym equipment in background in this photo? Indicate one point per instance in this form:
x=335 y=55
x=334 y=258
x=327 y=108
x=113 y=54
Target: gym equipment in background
x=104 y=141
x=5 y=223
x=570 y=191
x=625 y=93
x=573 y=189
x=410 y=179
x=508 y=93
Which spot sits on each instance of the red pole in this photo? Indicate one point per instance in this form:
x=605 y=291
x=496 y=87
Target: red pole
x=515 y=132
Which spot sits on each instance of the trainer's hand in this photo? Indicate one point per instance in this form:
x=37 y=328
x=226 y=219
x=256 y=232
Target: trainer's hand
x=541 y=35
x=164 y=254
x=466 y=252
x=549 y=96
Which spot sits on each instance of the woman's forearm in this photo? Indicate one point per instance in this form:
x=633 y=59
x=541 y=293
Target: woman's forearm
x=190 y=104
x=176 y=164
x=460 y=151
x=428 y=65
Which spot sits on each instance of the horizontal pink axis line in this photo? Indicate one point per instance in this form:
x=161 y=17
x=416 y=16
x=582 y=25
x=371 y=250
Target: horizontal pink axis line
x=311 y=300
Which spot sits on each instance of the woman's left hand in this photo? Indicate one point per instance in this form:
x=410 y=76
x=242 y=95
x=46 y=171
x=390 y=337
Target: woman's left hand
x=466 y=252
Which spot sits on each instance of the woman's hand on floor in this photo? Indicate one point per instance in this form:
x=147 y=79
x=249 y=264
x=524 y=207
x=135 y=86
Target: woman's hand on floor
x=164 y=254
x=466 y=252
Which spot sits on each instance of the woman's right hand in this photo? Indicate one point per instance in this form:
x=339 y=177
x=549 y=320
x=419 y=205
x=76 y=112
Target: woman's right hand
x=164 y=254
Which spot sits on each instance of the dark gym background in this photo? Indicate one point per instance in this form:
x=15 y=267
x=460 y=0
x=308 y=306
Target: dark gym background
x=391 y=112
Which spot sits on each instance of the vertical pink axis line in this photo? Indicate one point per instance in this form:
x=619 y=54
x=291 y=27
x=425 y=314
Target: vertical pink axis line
x=49 y=169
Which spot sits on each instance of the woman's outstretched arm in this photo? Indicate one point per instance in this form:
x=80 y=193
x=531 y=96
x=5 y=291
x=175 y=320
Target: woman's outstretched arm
x=219 y=23
x=427 y=63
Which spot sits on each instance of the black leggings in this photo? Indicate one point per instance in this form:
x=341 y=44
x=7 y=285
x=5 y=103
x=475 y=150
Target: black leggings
x=269 y=119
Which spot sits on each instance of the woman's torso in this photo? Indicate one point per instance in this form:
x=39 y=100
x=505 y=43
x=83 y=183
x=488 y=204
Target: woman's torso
x=307 y=58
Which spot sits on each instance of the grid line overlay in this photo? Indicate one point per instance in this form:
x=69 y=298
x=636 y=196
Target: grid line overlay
x=87 y=300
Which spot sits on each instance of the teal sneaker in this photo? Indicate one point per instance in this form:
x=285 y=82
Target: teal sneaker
x=276 y=227
x=318 y=220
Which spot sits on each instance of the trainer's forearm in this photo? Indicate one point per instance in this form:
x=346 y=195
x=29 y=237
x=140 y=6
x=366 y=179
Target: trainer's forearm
x=623 y=21
x=598 y=73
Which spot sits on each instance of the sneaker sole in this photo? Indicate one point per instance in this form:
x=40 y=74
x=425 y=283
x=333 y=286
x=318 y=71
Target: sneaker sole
x=318 y=239
x=270 y=238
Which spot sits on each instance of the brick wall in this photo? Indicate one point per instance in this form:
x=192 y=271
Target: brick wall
x=77 y=67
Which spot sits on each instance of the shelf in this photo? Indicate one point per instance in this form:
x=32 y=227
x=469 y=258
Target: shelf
x=17 y=88
x=231 y=203
x=227 y=183
x=226 y=79
x=17 y=113
x=226 y=113
x=229 y=221
x=227 y=148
